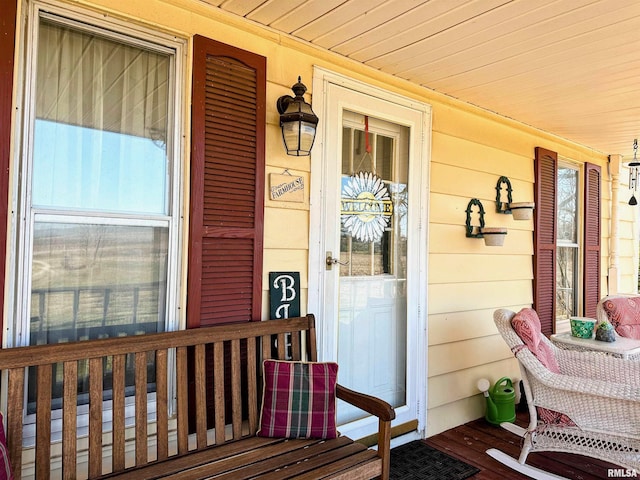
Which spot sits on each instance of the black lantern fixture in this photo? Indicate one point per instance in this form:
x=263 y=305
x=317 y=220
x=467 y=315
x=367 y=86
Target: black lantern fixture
x=298 y=122
x=634 y=172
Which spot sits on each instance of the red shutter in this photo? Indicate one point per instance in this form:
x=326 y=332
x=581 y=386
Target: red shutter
x=227 y=185
x=591 y=239
x=544 y=259
x=7 y=45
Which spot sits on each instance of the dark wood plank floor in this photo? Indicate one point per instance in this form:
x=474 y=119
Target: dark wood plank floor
x=470 y=441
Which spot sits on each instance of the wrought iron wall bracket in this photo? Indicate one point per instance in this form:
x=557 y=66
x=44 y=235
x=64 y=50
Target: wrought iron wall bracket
x=502 y=207
x=475 y=231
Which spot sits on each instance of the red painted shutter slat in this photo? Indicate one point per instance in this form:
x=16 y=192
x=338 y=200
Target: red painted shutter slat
x=544 y=264
x=592 y=239
x=227 y=185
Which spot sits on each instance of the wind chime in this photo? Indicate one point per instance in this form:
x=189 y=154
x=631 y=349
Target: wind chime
x=634 y=173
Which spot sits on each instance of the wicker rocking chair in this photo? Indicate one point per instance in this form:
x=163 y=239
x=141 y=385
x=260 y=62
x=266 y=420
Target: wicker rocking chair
x=588 y=404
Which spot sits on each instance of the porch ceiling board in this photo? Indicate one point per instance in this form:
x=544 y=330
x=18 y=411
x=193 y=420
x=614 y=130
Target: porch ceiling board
x=410 y=33
x=538 y=61
x=304 y=14
x=238 y=7
x=503 y=26
x=215 y=3
x=509 y=34
x=275 y=11
x=345 y=22
x=569 y=67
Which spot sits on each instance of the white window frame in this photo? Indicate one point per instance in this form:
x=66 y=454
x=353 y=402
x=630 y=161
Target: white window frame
x=563 y=163
x=19 y=285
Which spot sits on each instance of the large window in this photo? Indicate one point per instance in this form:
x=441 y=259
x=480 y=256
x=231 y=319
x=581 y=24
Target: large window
x=566 y=263
x=97 y=241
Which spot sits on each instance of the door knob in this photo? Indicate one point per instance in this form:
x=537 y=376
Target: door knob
x=331 y=261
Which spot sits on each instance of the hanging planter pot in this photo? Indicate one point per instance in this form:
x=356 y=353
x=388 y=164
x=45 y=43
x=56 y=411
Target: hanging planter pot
x=494 y=236
x=521 y=210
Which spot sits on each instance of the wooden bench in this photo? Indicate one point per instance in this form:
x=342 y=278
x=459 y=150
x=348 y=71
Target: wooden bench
x=190 y=410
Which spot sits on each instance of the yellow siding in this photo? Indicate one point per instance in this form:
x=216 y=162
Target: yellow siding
x=470 y=150
x=446 y=268
x=455 y=413
x=444 y=389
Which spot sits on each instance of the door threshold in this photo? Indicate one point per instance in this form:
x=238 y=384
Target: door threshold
x=398 y=434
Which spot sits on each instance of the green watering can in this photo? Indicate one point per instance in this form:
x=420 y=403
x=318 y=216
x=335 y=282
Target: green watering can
x=501 y=400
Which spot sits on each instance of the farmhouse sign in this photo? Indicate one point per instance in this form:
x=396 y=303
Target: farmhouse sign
x=286 y=188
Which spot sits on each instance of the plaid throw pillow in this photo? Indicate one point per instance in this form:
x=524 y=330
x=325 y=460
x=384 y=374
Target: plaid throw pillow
x=299 y=400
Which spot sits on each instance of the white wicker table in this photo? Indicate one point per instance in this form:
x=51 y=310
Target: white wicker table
x=623 y=347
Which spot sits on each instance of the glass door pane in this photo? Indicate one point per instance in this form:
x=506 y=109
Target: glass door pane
x=372 y=344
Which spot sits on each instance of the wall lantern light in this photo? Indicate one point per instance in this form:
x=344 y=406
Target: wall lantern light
x=298 y=122
x=634 y=172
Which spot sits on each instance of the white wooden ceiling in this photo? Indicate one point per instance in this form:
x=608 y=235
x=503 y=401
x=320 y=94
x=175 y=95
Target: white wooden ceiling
x=569 y=67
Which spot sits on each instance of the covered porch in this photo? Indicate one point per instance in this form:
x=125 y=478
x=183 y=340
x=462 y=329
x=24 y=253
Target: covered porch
x=496 y=88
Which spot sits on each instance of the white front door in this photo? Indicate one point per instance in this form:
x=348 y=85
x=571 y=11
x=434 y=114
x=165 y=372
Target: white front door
x=368 y=264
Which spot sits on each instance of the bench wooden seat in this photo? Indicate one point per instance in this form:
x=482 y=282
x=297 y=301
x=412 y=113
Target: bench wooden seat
x=268 y=458
x=197 y=397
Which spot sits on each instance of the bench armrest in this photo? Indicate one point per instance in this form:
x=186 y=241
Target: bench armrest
x=368 y=403
x=385 y=414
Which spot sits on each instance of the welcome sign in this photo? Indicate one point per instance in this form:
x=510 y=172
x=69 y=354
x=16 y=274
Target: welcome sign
x=366 y=207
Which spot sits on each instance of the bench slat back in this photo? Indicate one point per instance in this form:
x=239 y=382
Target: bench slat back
x=224 y=365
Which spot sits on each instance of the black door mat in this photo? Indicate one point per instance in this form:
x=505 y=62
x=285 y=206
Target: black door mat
x=418 y=461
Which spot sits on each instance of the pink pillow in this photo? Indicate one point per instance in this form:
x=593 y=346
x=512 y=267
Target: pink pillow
x=5 y=465
x=624 y=315
x=527 y=325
